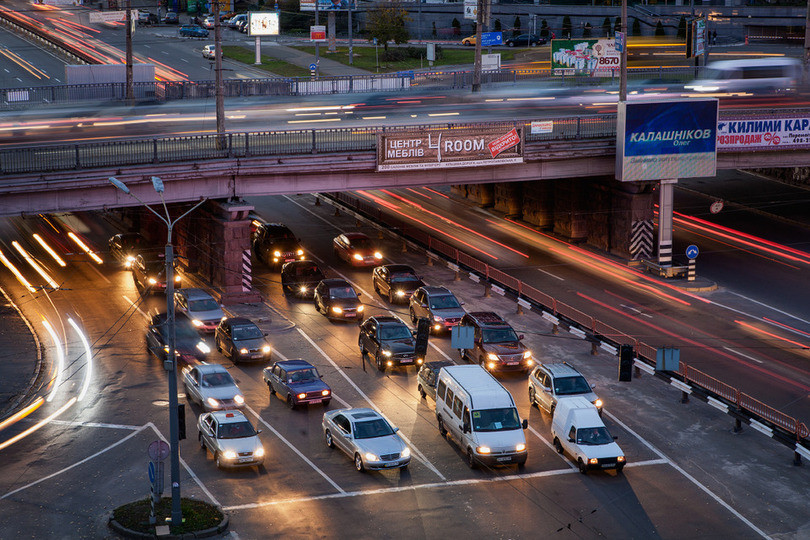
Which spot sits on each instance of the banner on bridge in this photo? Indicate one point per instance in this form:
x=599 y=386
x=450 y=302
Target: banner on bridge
x=657 y=140
x=436 y=149
x=759 y=134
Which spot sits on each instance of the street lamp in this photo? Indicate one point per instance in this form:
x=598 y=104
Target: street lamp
x=170 y=364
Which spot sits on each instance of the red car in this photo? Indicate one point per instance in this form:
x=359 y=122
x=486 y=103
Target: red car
x=356 y=249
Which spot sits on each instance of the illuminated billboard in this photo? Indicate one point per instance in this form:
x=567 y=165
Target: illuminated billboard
x=263 y=23
x=657 y=140
x=327 y=5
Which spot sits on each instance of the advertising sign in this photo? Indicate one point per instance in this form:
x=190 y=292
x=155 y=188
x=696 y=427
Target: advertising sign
x=490 y=61
x=327 y=5
x=779 y=132
x=447 y=148
x=542 y=126
x=471 y=9
x=696 y=37
x=491 y=38
x=111 y=16
x=658 y=140
x=317 y=34
x=262 y=23
x=584 y=56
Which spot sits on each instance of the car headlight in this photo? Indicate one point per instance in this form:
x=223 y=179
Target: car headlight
x=196 y=322
x=259 y=452
x=229 y=454
x=243 y=350
x=527 y=355
x=377 y=255
x=357 y=257
x=371 y=457
x=598 y=403
x=299 y=252
x=152 y=281
x=491 y=365
x=529 y=362
x=593 y=461
x=205 y=349
x=177 y=279
x=302 y=395
x=386 y=353
x=360 y=309
x=239 y=399
x=276 y=253
x=492 y=356
x=520 y=448
x=406 y=452
x=266 y=349
x=302 y=289
x=483 y=450
x=325 y=392
x=436 y=318
x=620 y=459
x=212 y=402
x=336 y=309
x=166 y=349
x=437 y=327
x=400 y=293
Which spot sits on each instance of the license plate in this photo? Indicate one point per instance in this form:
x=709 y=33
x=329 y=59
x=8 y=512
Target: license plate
x=406 y=361
x=350 y=314
x=607 y=465
x=319 y=400
x=245 y=459
x=512 y=363
x=256 y=355
x=390 y=464
x=508 y=458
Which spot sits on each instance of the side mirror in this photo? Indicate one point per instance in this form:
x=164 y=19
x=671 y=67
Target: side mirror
x=461 y=303
x=615 y=437
x=396 y=429
x=593 y=386
x=320 y=376
x=349 y=436
x=258 y=431
x=525 y=423
x=266 y=334
x=423 y=305
x=520 y=337
x=571 y=440
x=546 y=389
x=465 y=428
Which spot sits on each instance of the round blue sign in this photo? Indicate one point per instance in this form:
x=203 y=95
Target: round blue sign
x=152 y=472
x=692 y=251
x=313 y=67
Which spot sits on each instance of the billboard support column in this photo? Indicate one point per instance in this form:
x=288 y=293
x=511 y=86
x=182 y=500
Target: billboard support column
x=666 y=190
x=330 y=26
x=258 y=51
x=351 y=60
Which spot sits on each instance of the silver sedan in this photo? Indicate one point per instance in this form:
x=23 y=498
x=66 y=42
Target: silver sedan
x=367 y=437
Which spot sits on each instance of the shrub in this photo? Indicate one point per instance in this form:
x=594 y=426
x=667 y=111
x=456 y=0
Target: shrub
x=659 y=29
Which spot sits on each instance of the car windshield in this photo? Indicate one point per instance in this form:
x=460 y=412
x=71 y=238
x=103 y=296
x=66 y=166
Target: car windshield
x=395 y=332
x=403 y=276
x=495 y=419
x=499 y=335
x=444 y=301
x=207 y=304
x=342 y=292
x=235 y=430
x=361 y=243
x=183 y=331
x=308 y=272
x=596 y=435
x=372 y=429
x=210 y=380
x=571 y=385
x=279 y=232
x=247 y=331
x=303 y=375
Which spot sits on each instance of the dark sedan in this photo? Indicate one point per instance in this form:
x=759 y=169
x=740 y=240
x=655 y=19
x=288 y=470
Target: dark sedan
x=188 y=345
x=124 y=247
x=395 y=281
x=275 y=244
x=389 y=341
x=300 y=278
x=171 y=18
x=240 y=339
x=337 y=299
x=297 y=382
x=356 y=249
x=524 y=40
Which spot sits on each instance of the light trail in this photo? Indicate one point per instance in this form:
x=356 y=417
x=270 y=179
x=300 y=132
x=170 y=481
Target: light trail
x=8 y=264
x=38 y=425
x=88 y=353
x=50 y=250
x=84 y=247
x=19 y=415
x=60 y=357
x=802 y=346
x=30 y=260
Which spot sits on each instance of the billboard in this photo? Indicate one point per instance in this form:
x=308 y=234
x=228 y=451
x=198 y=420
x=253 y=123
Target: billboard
x=584 y=55
x=658 y=140
x=262 y=23
x=327 y=5
x=449 y=148
x=762 y=134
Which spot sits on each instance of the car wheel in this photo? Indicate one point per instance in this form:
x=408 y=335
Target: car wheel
x=377 y=288
x=391 y=297
x=442 y=429
x=200 y=439
x=326 y=402
x=358 y=463
x=219 y=346
x=582 y=468
x=413 y=316
x=532 y=401
x=380 y=363
x=270 y=388
x=471 y=459
x=619 y=469
x=558 y=445
x=422 y=392
x=220 y=462
x=328 y=438
x=290 y=402
x=551 y=411
x=511 y=43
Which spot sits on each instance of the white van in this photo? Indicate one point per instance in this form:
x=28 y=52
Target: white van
x=480 y=415
x=578 y=429
x=752 y=75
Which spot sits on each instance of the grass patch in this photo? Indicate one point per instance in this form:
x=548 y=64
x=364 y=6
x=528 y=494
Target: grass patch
x=364 y=58
x=197 y=515
x=269 y=63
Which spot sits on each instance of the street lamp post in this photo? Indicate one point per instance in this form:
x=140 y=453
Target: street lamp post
x=170 y=363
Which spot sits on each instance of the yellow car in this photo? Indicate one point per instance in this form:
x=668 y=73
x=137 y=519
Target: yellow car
x=468 y=41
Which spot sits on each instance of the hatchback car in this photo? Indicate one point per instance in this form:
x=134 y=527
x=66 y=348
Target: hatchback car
x=240 y=340
x=188 y=345
x=208 y=22
x=366 y=437
x=171 y=18
x=389 y=341
x=469 y=41
x=552 y=381
x=234 y=21
x=275 y=244
x=212 y=387
x=232 y=439
x=356 y=249
x=428 y=377
x=149 y=272
x=338 y=300
x=300 y=278
x=193 y=31
x=524 y=40
x=297 y=382
x=146 y=18
x=210 y=52
x=397 y=282
x=124 y=247
x=438 y=305
x=205 y=312
x=496 y=345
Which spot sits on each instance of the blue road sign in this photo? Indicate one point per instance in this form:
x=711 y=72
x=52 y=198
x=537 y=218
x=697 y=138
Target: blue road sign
x=313 y=67
x=692 y=251
x=462 y=337
x=152 y=472
x=491 y=38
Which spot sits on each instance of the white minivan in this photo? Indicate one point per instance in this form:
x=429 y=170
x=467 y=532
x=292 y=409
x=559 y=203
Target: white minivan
x=750 y=75
x=480 y=415
x=578 y=430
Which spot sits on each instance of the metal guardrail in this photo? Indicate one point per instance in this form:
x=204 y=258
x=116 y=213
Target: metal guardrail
x=596 y=330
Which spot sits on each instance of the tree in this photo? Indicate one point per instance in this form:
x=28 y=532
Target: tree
x=516 y=26
x=586 y=32
x=617 y=26
x=386 y=22
x=433 y=32
x=659 y=29
x=606 y=27
x=498 y=27
x=636 y=27
x=544 y=29
x=456 y=27
x=682 y=27
x=566 y=27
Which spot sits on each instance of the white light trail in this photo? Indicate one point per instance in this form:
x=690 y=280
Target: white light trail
x=30 y=260
x=60 y=357
x=50 y=250
x=16 y=272
x=84 y=247
x=87 y=354
x=38 y=425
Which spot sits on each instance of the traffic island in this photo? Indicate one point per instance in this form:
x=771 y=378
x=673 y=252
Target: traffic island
x=200 y=520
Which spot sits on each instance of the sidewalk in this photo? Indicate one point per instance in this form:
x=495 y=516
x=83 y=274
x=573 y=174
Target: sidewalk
x=327 y=67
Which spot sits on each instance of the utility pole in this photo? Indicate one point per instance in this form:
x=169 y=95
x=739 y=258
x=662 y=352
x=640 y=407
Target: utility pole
x=479 y=22
x=351 y=50
x=623 y=57
x=130 y=89
x=220 y=86
x=807 y=44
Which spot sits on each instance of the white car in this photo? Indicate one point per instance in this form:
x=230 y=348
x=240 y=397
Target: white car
x=367 y=437
x=205 y=313
x=209 y=51
x=212 y=387
x=231 y=438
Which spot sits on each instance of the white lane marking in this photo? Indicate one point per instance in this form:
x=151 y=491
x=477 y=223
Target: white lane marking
x=688 y=476
x=547 y=443
x=85 y=460
x=432 y=485
x=550 y=274
x=757 y=360
x=343 y=402
x=131 y=303
x=188 y=469
x=771 y=307
x=94 y=424
x=294 y=449
x=419 y=455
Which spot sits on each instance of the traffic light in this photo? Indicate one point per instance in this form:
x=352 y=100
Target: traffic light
x=626 y=363
x=181 y=421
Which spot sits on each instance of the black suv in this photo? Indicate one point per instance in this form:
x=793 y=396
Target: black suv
x=149 y=272
x=275 y=244
x=497 y=346
x=389 y=341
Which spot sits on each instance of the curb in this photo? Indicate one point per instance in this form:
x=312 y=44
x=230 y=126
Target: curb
x=205 y=533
